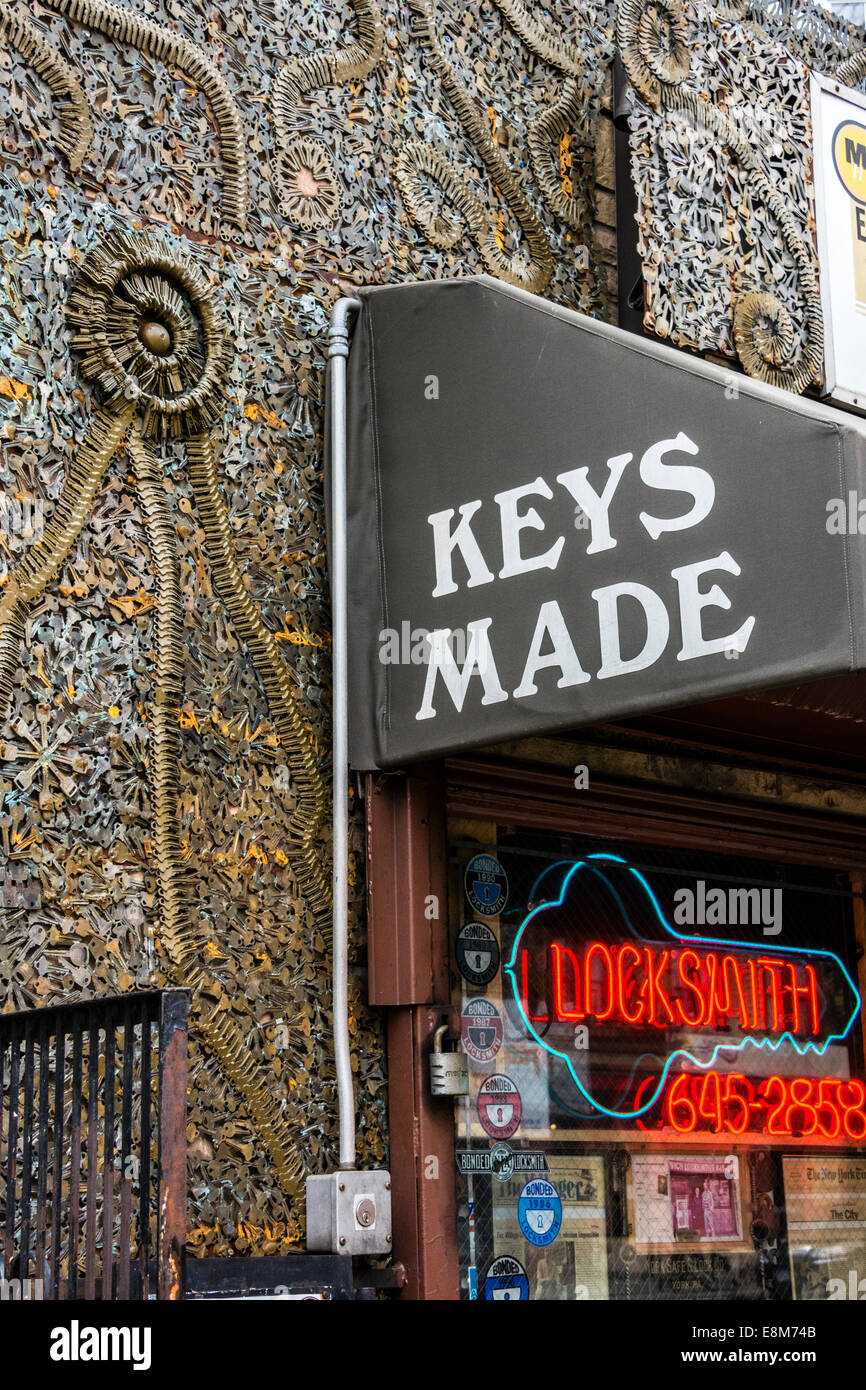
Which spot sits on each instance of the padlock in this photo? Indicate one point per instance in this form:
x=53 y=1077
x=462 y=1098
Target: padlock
x=449 y=1071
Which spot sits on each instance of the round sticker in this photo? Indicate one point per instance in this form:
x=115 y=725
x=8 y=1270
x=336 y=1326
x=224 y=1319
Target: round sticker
x=849 y=153
x=506 y=1279
x=499 y=1107
x=502 y=1161
x=486 y=885
x=539 y=1212
x=481 y=1029
x=477 y=953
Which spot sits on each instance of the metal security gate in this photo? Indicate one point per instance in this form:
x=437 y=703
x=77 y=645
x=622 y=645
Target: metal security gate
x=92 y=1149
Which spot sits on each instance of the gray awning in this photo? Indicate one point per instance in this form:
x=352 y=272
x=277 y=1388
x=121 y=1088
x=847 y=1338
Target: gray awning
x=604 y=526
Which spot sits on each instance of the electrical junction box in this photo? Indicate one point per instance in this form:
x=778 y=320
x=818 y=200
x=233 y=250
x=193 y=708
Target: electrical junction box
x=349 y=1213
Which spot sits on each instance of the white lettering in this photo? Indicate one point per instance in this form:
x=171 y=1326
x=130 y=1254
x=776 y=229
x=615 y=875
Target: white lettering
x=693 y=602
x=513 y=523
x=596 y=505
x=444 y=542
x=657 y=628
x=77 y=1343
x=676 y=477
x=59 y=1350
x=478 y=657
x=550 y=621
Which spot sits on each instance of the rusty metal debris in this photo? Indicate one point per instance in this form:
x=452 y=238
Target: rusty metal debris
x=533 y=272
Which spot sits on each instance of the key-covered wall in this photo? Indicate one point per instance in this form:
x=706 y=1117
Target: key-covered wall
x=185 y=190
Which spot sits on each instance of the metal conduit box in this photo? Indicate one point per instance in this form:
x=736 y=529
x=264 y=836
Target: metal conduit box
x=349 y=1213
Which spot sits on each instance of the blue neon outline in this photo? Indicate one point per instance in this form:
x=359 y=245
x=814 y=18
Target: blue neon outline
x=766 y=1043
x=560 y=864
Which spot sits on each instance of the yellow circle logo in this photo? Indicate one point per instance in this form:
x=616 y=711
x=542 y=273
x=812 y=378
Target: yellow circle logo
x=849 y=156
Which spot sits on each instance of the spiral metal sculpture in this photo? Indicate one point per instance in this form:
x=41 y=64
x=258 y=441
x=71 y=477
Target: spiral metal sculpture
x=164 y=44
x=153 y=344
x=653 y=42
x=419 y=164
x=76 y=127
x=654 y=46
x=304 y=173
x=551 y=125
x=417 y=161
x=853 y=69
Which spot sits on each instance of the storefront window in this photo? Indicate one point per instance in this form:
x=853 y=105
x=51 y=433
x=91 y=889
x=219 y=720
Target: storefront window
x=666 y=1083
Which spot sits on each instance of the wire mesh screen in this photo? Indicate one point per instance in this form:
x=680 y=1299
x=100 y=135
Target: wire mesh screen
x=80 y=1150
x=665 y=1056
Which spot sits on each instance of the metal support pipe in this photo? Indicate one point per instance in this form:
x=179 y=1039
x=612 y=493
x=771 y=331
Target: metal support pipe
x=338 y=352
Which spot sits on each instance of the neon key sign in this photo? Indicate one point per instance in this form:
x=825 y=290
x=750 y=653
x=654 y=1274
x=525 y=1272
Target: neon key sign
x=775 y=1001
x=636 y=985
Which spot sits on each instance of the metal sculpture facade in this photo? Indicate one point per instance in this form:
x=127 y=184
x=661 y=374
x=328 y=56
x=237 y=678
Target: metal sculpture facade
x=185 y=189
x=721 y=157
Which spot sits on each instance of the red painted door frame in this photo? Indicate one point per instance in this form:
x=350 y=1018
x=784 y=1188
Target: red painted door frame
x=407 y=897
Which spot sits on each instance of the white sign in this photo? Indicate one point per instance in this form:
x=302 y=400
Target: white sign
x=839 y=136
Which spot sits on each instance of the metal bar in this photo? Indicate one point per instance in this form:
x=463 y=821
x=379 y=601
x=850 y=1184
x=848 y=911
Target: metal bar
x=108 y=1162
x=12 y=1156
x=171 y=1239
x=124 y=1251
x=338 y=352
x=2 y=1079
x=92 y=1157
x=144 y=1241
x=52 y=1011
x=44 y=1217
x=75 y=1159
x=42 y=1150
x=26 y=1153
x=56 y=1290
x=630 y=282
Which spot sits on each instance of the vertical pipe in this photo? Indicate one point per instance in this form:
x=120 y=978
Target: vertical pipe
x=45 y=1032
x=338 y=352
x=27 y=1150
x=125 y=1239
